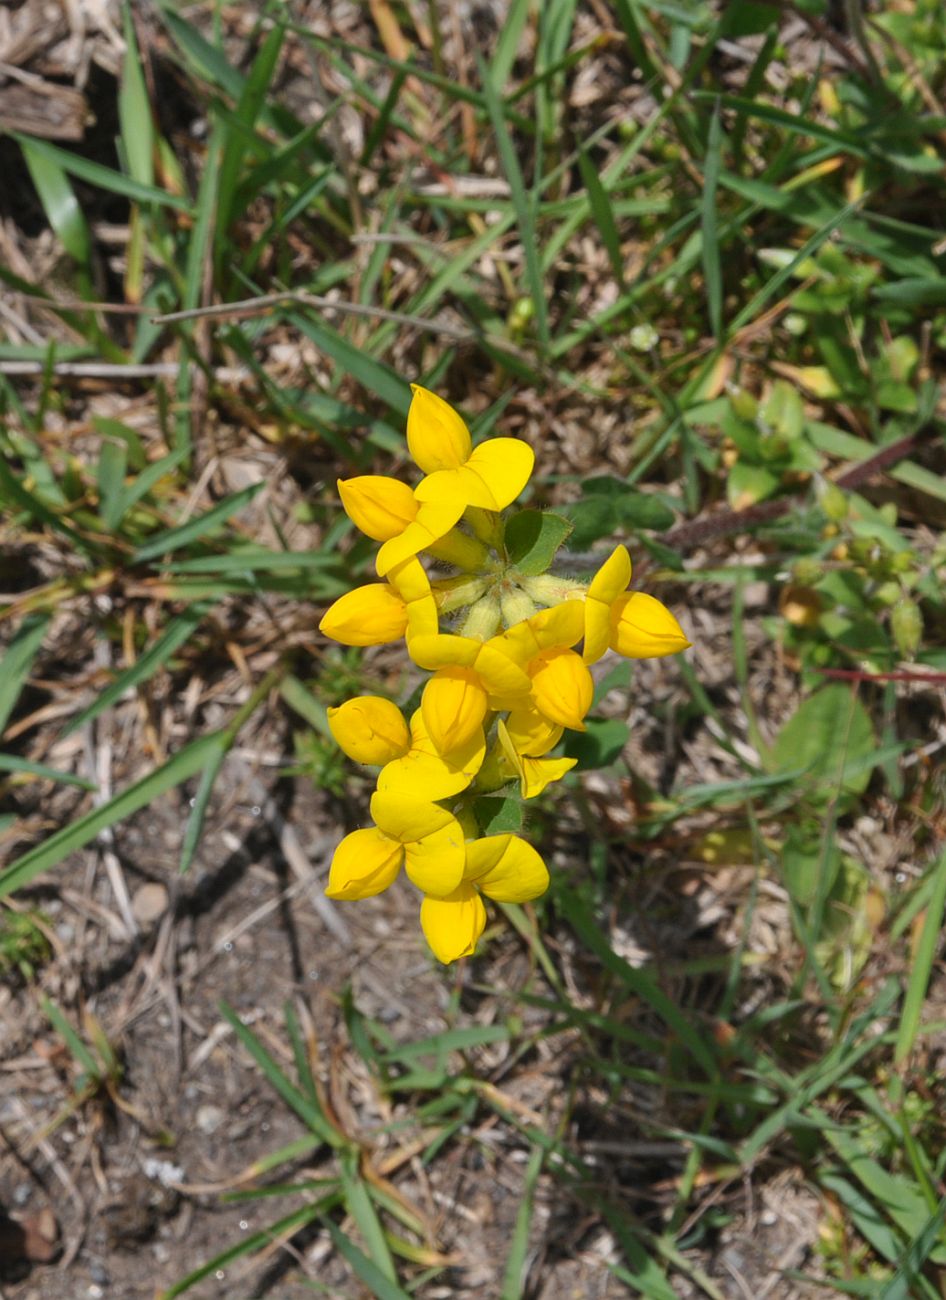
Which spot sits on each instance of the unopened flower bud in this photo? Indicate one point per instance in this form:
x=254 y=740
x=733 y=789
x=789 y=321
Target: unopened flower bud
x=906 y=625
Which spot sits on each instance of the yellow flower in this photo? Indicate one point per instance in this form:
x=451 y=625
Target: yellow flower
x=421 y=768
x=467 y=675
x=606 y=586
x=387 y=511
x=369 y=615
x=489 y=476
x=560 y=683
x=634 y=624
x=643 y=628
x=370 y=730
x=504 y=868
x=533 y=771
x=420 y=836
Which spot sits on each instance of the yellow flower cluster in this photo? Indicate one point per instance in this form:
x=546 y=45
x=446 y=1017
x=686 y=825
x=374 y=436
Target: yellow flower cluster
x=505 y=681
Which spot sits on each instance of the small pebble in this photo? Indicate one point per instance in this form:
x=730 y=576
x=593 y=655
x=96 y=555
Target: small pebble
x=150 y=902
x=209 y=1118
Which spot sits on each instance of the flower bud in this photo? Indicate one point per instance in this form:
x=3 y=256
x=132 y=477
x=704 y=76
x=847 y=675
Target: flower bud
x=381 y=507
x=369 y=615
x=370 y=730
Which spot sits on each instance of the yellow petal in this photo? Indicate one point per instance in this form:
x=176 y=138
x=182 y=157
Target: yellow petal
x=562 y=687
x=537 y=773
x=613 y=576
x=506 y=868
x=370 y=729
x=435 y=863
x=531 y=733
x=597 y=630
x=407 y=820
x=409 y=579
x=370 y=615
x=562 y=625
x=381 y=507
x=534 y=773
x=438 y=776
x=436 y=435
x=643 y=628
x=499 y=674
x=454 y=704
x=365 y=863
x=434 y=520
x=444 y=651
x=492 y=477
x=452 y=926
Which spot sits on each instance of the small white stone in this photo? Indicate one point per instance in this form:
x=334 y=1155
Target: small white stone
x=149 y=902
x=209 y=1118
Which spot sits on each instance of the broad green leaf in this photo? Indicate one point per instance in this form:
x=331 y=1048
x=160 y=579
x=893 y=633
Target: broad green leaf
x=498 y=814
x=532 y=537
x=832 y=736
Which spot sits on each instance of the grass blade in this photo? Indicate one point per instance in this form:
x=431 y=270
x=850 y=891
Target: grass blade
x=196 y=529
x=513 y=1278
x=712 y=263
x=922 y=966
x=16 y=663
x=379 y=1286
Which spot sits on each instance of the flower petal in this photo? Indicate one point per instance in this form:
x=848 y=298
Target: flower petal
x=562 y=687
x=407 y=820
x=597 y=630
x=435 y=863
x=434 y=520
x=444 y=651
x=643 y=628
x=506 y=868
x=437 y=437
x=537 y=773
x=454 y=705
x=365 y=863
x=439 y=776
x=370 y=730
x=562 y=625
x=381 y=507
x=613 y=576
x=531 y=733
x=369 y=615
x=452 y=926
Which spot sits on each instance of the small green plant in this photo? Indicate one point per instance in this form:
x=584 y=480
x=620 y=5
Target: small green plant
x=24 y=945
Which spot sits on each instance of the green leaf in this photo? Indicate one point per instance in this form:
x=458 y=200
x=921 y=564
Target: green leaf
x=177 y=633
x=532 y=537
x=599 y=745
x=77 y=834
x=102 y=177
x=712 y=261
x=110 y=474
x=609 y=505
x=805 y=860
x=172 y=539
x=16 y=663
x=379 y=1286
x=832 y=736
x=922 y=965
x=498 y=814
x=9 y=763
x=58 y=199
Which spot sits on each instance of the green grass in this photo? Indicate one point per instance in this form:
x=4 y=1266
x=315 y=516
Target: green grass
x=782 y=248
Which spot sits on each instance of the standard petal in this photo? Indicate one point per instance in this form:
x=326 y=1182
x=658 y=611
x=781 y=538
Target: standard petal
x=497 y=471
x=434 y=520
x=643 y=628
x=454 y=705
x=562 y=687
x=613 y=576
x=406 y=820
x=365 y=863
x=452 y=926
x=436 y=435
x=506 y=868
x=381 y=507
x=369 y=615
x=435 y=863
x=499 y=674
x=370 y=730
